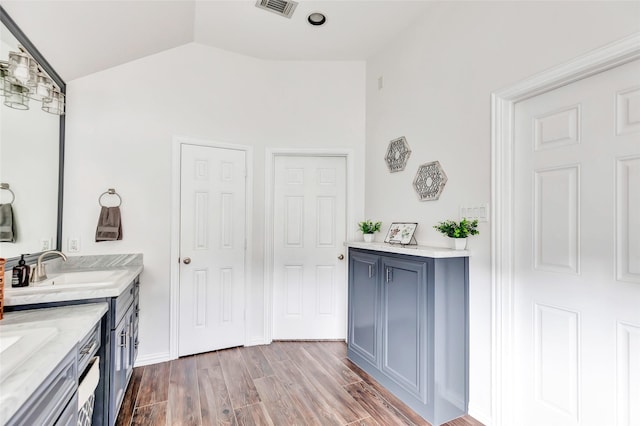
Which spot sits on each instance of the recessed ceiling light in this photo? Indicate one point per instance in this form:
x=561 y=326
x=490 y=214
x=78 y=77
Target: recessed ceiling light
x=316 y=18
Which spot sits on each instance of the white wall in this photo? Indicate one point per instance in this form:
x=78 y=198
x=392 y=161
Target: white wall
x=438 y=76
x=120 y=124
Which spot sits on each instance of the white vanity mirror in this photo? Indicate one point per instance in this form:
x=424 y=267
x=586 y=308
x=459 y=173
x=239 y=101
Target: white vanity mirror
x=31 y=143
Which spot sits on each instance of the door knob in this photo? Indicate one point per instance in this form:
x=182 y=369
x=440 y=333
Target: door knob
x=341 y=257
x=187 y=260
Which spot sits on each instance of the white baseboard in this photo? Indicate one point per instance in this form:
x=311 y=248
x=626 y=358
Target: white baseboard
x=255 y=341
x=480 y=415
x=152 y=359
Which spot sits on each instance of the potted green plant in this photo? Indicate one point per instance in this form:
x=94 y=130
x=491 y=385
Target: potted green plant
x=368 y=228
x=458 y=231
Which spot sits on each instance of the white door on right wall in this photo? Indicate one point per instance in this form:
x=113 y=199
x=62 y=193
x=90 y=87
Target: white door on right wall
x=577 y=253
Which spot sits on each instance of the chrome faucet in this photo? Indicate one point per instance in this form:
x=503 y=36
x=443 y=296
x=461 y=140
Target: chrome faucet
x=40 y=273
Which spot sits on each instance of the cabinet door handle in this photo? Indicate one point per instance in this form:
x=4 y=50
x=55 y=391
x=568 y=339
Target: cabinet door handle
x=372 y=271
x=389 y=275
x=123 y=339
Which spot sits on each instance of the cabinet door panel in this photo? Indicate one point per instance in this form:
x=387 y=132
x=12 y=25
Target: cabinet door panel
x=119 y=358
x=364 y=305
x=403 y=324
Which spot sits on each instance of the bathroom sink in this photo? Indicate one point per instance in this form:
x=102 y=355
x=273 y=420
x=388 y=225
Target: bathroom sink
x=73 y=280
x=17 y=345
x=82 y=278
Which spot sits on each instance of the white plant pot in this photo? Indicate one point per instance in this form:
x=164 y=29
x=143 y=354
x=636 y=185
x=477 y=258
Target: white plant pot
x=368 y=238
x=459 y=243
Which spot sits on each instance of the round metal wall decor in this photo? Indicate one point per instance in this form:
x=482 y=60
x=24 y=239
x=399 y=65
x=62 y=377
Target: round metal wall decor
x=397 y=154
x=430 y=181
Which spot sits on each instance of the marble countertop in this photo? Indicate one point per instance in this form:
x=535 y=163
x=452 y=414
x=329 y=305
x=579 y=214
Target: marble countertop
x=65 y=327
x=423 y=251
x=33 y=295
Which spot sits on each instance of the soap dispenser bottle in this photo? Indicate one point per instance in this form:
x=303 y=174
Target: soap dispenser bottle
x=20 y=277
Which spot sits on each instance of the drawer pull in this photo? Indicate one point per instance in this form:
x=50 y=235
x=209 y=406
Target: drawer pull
x=89 y=347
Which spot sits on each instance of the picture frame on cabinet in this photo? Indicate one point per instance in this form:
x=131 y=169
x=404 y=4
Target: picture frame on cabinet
x=401 y=233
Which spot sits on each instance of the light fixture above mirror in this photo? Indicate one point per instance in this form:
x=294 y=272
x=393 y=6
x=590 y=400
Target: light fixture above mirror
x=22 y=79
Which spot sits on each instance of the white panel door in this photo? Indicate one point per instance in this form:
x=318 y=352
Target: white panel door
x=309 y=229
x=577 y=253
x=212 y=248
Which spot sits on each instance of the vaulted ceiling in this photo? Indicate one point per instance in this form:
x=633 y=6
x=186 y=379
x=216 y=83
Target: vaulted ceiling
x=85 y=36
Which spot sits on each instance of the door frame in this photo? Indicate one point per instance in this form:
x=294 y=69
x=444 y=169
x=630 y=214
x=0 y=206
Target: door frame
x=176 y=160
x=502 y=199
x=269 y=182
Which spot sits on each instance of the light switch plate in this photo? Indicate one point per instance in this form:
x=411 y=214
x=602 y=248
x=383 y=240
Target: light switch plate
x=473 y=212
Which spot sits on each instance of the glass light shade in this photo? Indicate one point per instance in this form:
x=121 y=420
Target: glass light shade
x=4 y=71
x=16 y=96
x=42 y=90
x=23 y=69
x=55 y=104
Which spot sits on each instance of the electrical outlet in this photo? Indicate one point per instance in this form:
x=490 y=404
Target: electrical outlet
x=45 y=244
x=73 y=245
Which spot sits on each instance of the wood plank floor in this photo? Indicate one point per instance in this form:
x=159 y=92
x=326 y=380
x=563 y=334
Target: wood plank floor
x=285 y=383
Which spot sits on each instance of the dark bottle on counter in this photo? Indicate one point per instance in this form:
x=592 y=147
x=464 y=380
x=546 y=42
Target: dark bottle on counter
x=20 y=277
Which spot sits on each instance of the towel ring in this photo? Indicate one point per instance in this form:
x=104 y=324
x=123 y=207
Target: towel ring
x=110 y=191
x=5 y=186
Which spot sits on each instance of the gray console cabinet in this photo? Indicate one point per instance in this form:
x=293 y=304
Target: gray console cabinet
x=408 y=328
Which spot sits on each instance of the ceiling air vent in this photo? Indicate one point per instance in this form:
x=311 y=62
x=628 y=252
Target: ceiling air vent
x=281 y=7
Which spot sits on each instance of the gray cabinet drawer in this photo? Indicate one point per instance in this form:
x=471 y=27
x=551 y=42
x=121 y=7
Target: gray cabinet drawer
x=50 y=400
x=121 y=303
x=69 y=416
x=88 y=347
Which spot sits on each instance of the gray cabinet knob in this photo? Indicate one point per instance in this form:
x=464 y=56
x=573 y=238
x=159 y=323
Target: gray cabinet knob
x=187 y=260
x=341 y=257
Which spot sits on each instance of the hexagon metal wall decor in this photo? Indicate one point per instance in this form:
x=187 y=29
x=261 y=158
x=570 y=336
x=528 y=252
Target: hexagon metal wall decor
x=430 y=181
x=397 y=154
